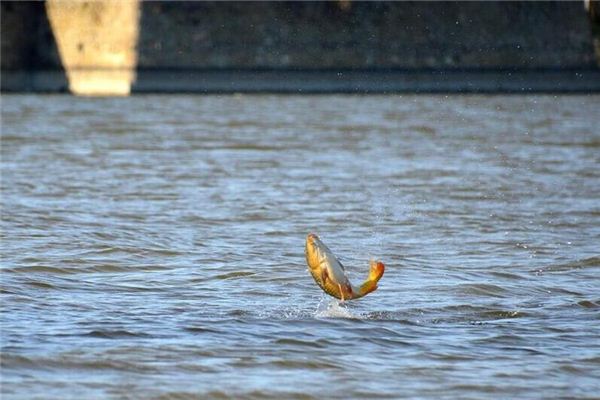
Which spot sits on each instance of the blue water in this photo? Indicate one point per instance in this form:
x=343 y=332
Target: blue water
x=153 y=246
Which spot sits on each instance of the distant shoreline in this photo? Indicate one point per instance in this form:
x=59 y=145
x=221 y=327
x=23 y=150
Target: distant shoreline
x=328 y=81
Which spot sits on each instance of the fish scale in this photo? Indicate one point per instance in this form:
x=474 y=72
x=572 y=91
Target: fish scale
x=321 y=261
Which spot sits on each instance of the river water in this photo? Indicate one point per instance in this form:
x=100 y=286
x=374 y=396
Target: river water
x=153 y=246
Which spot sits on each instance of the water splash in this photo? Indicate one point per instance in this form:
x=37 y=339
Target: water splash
x=331 y=308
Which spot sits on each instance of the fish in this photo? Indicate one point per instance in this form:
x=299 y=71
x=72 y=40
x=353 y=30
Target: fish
x=329 y=273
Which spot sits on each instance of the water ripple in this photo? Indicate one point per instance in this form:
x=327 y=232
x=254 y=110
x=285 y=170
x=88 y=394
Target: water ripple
x=152 y=247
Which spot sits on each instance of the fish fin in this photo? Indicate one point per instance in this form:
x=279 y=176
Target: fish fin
x=349 y=290
x=324 y=275
x=375 y=274
x=341 y=292
x=367 y=287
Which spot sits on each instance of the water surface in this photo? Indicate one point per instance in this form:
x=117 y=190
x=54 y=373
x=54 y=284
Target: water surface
x=152 y=246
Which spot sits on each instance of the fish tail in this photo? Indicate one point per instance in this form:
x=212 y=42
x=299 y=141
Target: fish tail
x=375 y=274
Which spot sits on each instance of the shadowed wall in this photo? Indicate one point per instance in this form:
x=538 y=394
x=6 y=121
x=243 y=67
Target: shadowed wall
x=28 y=45
x=365 y=35
x=305 y=46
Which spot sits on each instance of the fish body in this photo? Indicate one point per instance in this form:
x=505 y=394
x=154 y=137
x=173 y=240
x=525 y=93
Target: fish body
x=329 y=273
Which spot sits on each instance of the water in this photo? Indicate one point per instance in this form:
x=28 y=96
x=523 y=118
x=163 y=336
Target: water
x=152 y=247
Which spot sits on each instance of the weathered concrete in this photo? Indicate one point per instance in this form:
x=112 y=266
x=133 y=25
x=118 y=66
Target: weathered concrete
x=339 y=46
x=365 y=35
x=96 y=41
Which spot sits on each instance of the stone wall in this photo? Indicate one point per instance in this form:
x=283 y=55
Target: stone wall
x=365 y=35
x=203 y=44
x=26 y=37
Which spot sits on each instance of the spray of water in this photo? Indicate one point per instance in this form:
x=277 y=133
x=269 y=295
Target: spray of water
x=332 y=308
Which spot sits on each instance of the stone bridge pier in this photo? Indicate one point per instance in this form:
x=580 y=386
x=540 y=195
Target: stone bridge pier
x=96 y=42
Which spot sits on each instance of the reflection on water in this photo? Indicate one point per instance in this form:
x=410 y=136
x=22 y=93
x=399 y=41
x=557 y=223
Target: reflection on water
x=153 y=246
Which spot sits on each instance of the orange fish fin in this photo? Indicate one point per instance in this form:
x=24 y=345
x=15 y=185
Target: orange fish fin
x=341 y=292
x=324 y=275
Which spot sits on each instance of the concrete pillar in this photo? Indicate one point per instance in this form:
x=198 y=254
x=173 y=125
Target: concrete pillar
x=97 y=44
x=593 y=8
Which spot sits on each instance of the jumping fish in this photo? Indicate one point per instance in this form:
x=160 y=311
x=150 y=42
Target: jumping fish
x=330 y=274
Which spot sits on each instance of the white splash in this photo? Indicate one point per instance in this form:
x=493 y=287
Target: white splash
x=331 y=308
